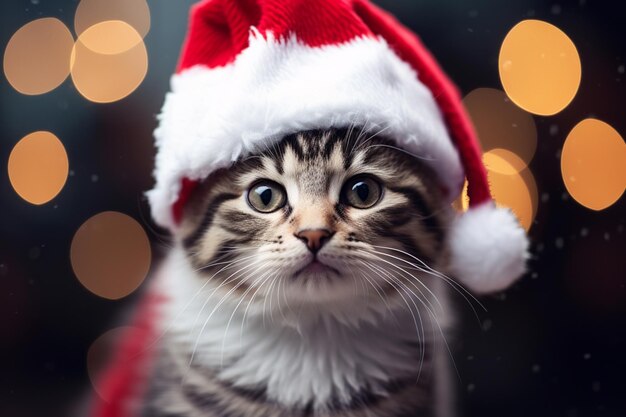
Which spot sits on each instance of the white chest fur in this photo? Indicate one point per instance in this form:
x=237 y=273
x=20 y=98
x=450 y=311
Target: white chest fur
x=298 y=362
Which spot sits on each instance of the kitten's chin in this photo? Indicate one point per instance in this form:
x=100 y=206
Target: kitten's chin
x=316 y=270
x=322 y=298
x=320 y=285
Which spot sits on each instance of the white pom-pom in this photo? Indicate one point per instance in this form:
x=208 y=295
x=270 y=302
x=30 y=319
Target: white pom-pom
x=488 y=249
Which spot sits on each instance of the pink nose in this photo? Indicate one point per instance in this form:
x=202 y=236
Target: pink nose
x=314 y=238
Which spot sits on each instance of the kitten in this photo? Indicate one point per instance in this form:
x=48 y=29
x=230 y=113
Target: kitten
x=307 y=280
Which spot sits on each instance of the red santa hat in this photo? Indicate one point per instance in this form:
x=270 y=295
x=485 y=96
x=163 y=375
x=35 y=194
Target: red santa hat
x=253 y=71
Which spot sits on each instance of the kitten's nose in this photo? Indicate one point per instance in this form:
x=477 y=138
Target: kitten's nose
x=314 y=238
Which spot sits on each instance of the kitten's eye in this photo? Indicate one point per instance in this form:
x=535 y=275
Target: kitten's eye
x=361 y=192
x=266 y=196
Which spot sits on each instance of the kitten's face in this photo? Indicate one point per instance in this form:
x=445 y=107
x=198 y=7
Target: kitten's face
x=323 y=218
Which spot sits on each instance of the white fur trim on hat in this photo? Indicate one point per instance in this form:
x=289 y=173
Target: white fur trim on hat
x=488 y=248
x=277 y=87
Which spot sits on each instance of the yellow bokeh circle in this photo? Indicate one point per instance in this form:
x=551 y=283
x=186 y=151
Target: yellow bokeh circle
x=109 y=61
x=91 y=12
x=37 y=57
x=38 y=167
x=110 y=38
x=539 y=67
x=503 y=161
x=593 y=164
x=501 y=124
x=111 y=255
x=510 y=187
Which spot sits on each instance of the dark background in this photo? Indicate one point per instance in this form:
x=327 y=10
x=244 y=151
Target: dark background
x=553 y=345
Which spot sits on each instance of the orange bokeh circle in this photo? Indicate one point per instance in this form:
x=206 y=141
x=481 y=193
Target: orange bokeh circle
x=111 y=255
x=593 y=164
x=38 y=167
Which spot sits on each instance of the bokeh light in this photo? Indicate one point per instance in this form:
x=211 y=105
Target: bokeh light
x=504 y=162
x=509 y=186
x=91 y=12
x=539 y=67
x=99 y=354
x=113 y=65
x=110 y=38
x=38 y=167
x=111 y=255
x=501 y=124
x=593 y=164
x=37 y=57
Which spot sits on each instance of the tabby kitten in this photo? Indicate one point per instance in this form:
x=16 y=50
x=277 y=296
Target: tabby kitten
x=305 y=283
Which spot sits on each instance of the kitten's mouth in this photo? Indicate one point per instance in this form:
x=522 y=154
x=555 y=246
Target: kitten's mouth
x=316 y=267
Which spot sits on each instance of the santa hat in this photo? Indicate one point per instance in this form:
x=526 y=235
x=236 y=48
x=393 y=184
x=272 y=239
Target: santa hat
x=253 y=71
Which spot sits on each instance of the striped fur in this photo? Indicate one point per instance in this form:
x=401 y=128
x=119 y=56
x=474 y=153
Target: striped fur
x=241 y=266
x=201 y=394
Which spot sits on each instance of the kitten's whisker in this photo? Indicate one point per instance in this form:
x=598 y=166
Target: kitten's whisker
x=212 y=264
x=429 y=307
x=425 y=265
x=443 y=336
x=383 y=145
x=413 y=296
x=269 y=292
x=354 y=280
x=229 y=265
x=409 y=275
x=231 y=249
x=267 y=276
x=369 y=139
x=382 y=273
x=185 y=307
x=429 y=310
x=395 y=279
x=418 y=327
x=373 y=253
x=241 y=299
x=348 y=135
x=227 y=281
x=376 y=288
x=455 y=285
x=208 y=280
x=441 y=332
x=428 y=269
x=219 y=304
x=206 y=322
x=281 y=284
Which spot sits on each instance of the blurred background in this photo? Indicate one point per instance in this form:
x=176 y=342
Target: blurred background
x=544 y=81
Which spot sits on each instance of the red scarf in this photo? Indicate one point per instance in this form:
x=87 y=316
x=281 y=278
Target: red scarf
x=124 y=381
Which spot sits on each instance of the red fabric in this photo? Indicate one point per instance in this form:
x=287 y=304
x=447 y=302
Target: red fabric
x=219 y=31
x=409 y=48
x=186 y=188
x=125 y=378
